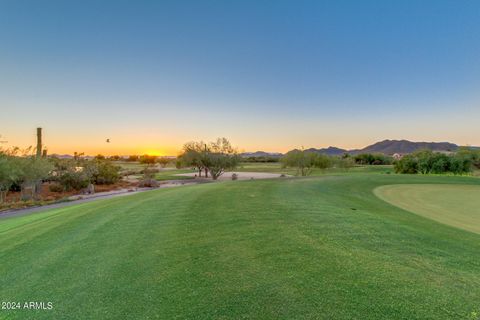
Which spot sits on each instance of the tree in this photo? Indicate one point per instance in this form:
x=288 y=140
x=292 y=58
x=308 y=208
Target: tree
x=323 y=161
x=408 y=165
x=32 y=171
x=9 y=173
x=215 y=157
x=77 y=155
x=220 y=156
x=146 y=159
x=373 y=159
x=163 y=161
x=473 y=155
x=132 y=158
x=192 y=156
x=344 y=163
x=304 y=161
x=427 y=162
x=102 y=172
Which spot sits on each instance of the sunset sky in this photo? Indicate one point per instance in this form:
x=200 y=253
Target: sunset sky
x=268 y=75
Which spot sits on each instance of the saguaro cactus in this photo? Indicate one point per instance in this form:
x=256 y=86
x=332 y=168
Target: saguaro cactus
x=39 y=143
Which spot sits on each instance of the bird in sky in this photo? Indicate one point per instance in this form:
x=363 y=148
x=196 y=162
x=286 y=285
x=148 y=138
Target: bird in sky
x=108 y=140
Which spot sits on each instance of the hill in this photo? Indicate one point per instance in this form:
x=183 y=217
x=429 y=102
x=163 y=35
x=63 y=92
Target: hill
x=405 y=146
x=330 y=151
x=390 y=147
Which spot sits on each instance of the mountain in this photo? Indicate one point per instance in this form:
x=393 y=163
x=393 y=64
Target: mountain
x=330 y=151
x=258 y=154
x=390 y=147
x=405 y=146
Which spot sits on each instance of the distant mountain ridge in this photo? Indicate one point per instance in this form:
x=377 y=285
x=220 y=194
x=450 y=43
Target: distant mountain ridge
x=330 y=151
x=405 y=146
x=388 y=147
x=258 y=154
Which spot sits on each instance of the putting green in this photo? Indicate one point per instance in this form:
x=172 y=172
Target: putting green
x=454 y=205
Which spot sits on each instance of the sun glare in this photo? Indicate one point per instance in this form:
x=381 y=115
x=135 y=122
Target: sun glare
x=155 y=153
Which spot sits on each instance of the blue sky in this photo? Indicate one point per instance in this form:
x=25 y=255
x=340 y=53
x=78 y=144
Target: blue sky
x=269 y=75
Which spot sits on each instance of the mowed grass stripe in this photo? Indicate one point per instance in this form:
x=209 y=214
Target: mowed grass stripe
x=316 y=248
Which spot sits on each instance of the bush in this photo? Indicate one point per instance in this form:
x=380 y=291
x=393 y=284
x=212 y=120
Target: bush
x=149 y=170
x=105 y=172
x=305 y=161
x=75 y=180
x=164 y=161
x=372 y=159
x=473 y=155
x=344 y=163
x=428 y=162
x=56 y=188
x=148 y=183
x=148 y=179
x=408 y=164
x=262 y=159
x=146 y=159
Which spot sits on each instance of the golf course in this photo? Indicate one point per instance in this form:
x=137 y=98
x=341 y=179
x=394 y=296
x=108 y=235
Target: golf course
x=356 y=245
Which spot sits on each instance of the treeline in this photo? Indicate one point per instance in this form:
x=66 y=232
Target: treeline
x=428 y=162
x=261 y=159
x=305 y=161
x=26 y=173
x=143 y=159
x=362 y=159
x=373 y=159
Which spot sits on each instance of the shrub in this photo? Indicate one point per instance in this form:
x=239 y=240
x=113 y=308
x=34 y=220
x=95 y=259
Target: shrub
x=75 y=180
x=105 y=172
x=56 y=188
x=344 y=163
x=373 y=159
x=149 y=170
x=132 y=158
x=473 y=155
x=163 y=162
x=148 y=179
x=305 y=161
x=261 y=159
x=427 y=162
x=146 y=159
x=148 y=183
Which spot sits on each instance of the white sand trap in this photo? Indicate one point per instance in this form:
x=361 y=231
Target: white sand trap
x=241 y=175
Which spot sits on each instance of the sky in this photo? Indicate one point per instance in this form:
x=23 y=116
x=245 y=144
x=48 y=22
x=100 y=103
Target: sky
x=268 y=75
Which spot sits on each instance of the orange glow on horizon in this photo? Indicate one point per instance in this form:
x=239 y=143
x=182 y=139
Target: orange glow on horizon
x=155 y=153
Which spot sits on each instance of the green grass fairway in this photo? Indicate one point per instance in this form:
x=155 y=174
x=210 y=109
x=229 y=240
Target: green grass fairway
x=276 y=167
x=316 y=248
x=455 y=205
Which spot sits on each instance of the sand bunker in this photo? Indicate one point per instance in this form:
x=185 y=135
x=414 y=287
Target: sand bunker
x=240 y=175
